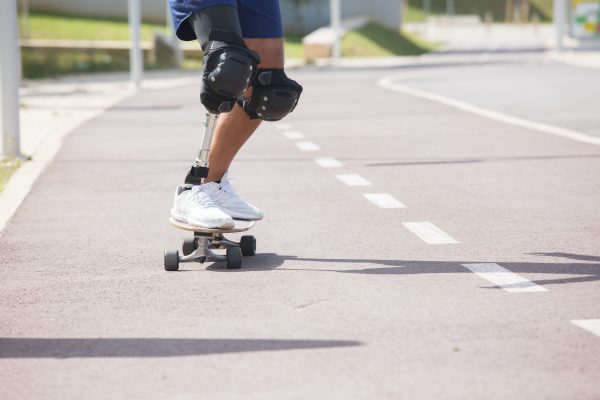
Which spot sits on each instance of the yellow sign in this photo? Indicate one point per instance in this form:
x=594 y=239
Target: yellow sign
x=586 y=18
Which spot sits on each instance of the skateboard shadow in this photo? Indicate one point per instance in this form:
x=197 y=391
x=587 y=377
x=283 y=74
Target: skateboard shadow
x=259 y=262
x=157 y=347
x=577 y=271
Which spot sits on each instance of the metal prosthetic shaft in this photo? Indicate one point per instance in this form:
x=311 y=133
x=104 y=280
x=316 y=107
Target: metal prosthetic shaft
x=199 y=170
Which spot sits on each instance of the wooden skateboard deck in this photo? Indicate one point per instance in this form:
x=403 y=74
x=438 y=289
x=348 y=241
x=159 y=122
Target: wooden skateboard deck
x=240 y=226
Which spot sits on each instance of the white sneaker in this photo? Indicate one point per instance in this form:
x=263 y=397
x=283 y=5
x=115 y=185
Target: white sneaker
x=194 y=206
x=230 y=202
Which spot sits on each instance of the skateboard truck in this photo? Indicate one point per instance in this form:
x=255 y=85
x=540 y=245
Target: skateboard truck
x=200 y=247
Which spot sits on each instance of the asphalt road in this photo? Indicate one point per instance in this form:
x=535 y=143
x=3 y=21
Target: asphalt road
x=528 y=86
x=465 y=289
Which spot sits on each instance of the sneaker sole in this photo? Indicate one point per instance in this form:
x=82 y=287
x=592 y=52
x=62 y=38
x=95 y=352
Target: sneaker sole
x=182 y=218
x=235 y=215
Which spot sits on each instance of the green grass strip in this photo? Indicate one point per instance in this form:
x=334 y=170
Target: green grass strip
x=7 y=167
x=65 y=27
x=374 y=40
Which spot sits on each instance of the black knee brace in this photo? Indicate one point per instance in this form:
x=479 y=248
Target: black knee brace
x=229 y=67
x=274 y=95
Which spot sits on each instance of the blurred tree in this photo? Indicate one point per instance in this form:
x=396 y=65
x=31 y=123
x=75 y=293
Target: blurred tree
x=524 y=11
x=510 y=10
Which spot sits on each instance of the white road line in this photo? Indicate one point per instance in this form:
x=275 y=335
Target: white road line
x=590 y=325
x=294 y=135
x=429 y=233
x=328 y=162
x=388 y=83
x=307 y=146
x=383 y=200
x=353 y=180
x=284 y=127
x=504 y=278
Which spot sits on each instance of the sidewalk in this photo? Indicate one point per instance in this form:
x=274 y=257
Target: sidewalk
x=51 y=109
x=480 y=38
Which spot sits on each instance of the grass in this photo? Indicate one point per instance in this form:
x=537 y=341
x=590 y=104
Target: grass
x=293 y=46
x=544 y=7
x=374 y=40
x=51 y=26
x=41 y=64
x=370 y=40
x=7 y=168
x=48 y=63
x=414 y=12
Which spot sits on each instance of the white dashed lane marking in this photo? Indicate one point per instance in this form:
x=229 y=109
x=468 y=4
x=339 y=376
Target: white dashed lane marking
x=429 y=233
x=328 y=162
x=590 y=325
x=383 y=200
x=283 y=127
x=353 y=180
x=504 y=278
x=294 y=135
x=307 y=146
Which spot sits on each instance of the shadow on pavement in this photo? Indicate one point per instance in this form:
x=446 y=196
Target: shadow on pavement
x=587 y=272
x=478 y=160
x=144 y=347
x=570 y=256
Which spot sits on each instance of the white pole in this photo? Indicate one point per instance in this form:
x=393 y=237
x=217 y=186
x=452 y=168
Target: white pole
x=10 y=77
x=136 y=63
x=335 y=10
x=559 y=22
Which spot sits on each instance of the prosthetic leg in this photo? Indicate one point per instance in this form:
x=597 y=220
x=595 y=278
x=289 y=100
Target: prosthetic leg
x=201 y=246
x=199 y=169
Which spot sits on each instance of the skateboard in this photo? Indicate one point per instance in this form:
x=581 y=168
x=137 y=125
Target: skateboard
x=200 y=247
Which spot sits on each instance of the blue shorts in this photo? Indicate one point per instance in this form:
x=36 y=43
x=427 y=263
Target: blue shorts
x=258 y=18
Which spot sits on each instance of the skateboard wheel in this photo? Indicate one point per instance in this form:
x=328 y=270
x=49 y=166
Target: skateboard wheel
x=248 y=245
x=234 y=258
x=189 y=245
x=172 y=260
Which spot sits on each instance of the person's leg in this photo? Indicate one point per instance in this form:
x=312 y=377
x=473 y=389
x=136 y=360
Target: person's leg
x=243 y=82
x=218 y=30
x=236 y=127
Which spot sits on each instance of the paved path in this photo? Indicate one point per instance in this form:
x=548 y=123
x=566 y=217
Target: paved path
x=466 y=287
x=528 y=87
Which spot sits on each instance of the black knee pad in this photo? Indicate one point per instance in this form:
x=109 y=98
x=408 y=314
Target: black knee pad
x=274 y=95
x=229 y=67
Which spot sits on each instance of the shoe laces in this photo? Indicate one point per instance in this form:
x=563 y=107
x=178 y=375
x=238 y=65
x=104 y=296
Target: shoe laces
x=200 y=197
x=224 y=191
